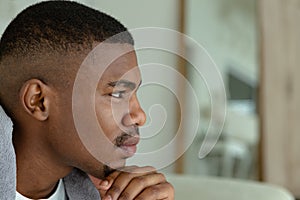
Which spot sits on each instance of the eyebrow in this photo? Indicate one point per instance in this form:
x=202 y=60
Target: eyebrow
x=123 y=83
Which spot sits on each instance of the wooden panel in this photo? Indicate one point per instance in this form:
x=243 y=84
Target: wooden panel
x=280 y=92
x=179 y=165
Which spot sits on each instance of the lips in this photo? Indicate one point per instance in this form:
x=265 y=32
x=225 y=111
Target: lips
x=129 y=146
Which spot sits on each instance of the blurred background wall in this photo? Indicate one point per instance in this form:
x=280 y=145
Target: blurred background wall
x=254 y=45
x=228 y=31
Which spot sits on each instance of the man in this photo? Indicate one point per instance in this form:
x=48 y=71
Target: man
x=41 y=52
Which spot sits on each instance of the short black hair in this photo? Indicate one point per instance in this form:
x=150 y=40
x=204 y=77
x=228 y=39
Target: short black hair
x=58 y=25
x=53 y=28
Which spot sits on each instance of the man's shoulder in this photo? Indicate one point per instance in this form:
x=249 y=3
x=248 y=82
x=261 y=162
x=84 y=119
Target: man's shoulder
x=79 y=186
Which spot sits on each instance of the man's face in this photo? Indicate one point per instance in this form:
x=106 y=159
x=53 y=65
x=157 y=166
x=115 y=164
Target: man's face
x=117 y=108
x=118 y=115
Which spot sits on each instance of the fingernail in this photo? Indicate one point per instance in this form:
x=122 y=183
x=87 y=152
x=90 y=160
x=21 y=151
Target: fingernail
x=104 y=183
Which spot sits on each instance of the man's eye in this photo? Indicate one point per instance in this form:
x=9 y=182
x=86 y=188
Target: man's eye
x=118 y=94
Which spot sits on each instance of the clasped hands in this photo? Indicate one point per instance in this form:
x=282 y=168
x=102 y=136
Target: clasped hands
x=138 y=183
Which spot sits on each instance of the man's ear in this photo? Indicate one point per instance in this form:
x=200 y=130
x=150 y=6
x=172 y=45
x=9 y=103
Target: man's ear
x=35 y=98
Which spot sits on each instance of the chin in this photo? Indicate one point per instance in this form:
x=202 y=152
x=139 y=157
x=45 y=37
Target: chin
x=117 y=164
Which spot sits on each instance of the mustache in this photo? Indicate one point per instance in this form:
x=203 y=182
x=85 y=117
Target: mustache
x=119 y=141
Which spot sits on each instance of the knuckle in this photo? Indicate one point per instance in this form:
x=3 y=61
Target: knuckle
x=154 y=191
x=151 y=193
x=140 y=180
x=124 y=196
x=143 y=170
x=126 y=175
x=172 y=189
x=162 y=176
x=132 y=168
x=115 y=189
x=136 y=170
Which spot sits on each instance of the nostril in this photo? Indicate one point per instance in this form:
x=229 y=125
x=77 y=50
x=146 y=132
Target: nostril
x=138 y=118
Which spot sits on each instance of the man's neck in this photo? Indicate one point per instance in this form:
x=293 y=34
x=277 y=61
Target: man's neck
x=38 y=170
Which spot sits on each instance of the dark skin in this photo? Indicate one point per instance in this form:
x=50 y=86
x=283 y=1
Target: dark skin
x=48 y=147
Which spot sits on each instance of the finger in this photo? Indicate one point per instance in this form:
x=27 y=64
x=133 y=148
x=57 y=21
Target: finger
x=107 y=183
x=139 y=170
x=160 y=191
x=99 y=183
x=111 y=177
x=103 y=185
x=123 y=179
x=133 y=170
x=140 y=183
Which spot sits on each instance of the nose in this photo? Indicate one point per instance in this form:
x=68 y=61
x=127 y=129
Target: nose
x=136 y=115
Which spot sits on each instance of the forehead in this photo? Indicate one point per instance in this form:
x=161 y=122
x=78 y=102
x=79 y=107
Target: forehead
x=107 y=63
x=123 y=65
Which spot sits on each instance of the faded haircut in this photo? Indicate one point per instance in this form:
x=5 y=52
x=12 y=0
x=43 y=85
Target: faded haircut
x=46 y=33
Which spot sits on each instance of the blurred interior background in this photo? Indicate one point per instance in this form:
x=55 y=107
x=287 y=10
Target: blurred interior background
x=253 y=43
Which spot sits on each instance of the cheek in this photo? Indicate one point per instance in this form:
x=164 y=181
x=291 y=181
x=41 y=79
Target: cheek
x=109 y=119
